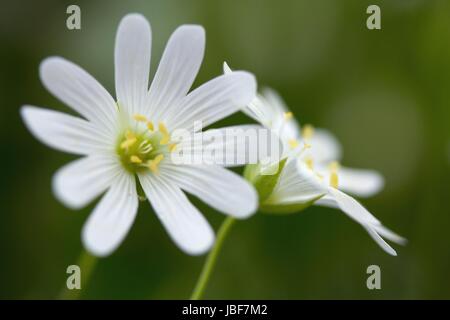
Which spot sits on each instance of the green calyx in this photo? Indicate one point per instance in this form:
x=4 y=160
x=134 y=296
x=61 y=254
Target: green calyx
x=265 y=179
x=287 y=208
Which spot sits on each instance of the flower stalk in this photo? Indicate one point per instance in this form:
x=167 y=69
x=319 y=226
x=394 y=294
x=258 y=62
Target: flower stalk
x=211 y=259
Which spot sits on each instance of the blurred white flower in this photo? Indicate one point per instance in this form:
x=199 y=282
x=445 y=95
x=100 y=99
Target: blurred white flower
x=311 y=173
x=132 y=136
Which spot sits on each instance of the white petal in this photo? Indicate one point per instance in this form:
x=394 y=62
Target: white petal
x=270 y=108
x=112 y=218
x=80 y=91
x=185 y=224
x=64 y=132
x=215 y=100
x=256 y=108
x=227 y=146
x=274 y=100
x=361 y=183
x=81 y=181
x=297 y=184
x=222 y=189
x=324 y=146
x=372 y=225
x=380 y=241
x=352 y=207
x=389 y=234
x=177 y=70
x=132 y=63
x=327 y=201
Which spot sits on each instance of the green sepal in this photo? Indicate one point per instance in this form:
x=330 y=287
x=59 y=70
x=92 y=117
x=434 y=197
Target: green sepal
x=264 y=183
x=268 y=208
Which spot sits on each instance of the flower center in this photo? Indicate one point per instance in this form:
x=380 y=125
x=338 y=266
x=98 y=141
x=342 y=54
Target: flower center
x=143 y=149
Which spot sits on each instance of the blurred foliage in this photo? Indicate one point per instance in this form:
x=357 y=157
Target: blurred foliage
x=385 y=94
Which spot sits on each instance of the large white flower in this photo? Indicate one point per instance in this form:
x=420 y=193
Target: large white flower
x=311 y=174
x=132 y=137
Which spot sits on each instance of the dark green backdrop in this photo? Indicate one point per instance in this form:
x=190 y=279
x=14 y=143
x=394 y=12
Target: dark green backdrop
x=385 y=94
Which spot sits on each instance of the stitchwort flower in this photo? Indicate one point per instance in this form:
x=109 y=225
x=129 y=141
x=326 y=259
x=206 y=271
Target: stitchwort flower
x=126 y=142
x=309 y=172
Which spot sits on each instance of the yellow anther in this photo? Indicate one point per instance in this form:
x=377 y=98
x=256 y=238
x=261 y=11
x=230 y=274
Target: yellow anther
x=158 y=158
x=334 y=180
x=172 y=147
x=307 y=131
x=309 y=162
x=288 y=115
x=293 y=143
x=130 y=135
x=162 y=127
x=166 y=136
x=128 y=143
x=165 y=140
x=153 y=164
x=306 y=145
x=140 y=117
x=150 y=126
x=135 y=159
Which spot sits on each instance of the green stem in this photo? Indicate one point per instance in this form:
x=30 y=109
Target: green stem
x=87 y=263
x=210 y=262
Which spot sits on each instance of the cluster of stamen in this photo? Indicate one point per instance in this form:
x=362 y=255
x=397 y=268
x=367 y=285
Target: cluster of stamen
x=294 y=144
x=306 y=134
x=144 y=150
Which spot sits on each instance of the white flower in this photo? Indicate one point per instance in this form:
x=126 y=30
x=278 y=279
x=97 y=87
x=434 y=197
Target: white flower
x=312 y=174
x=131 y=137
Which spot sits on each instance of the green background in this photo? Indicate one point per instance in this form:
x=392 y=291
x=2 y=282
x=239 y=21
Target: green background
x=384 y=93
